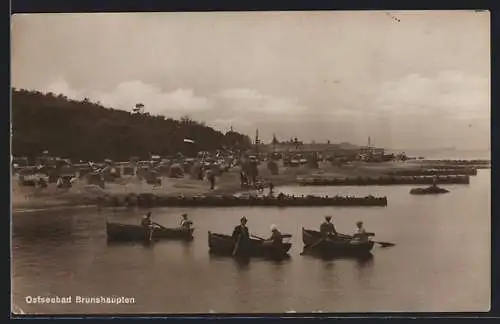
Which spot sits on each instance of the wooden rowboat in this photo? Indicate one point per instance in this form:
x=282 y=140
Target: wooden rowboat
x=222 y=244
x=343 y=245
x=127 y=232
x=131 y=232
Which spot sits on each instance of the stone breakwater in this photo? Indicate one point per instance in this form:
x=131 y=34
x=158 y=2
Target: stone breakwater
x=433 y=172
x=150 y=200
x=460 y=162
x=456 y=164
x=384 y=181
x=431 y=165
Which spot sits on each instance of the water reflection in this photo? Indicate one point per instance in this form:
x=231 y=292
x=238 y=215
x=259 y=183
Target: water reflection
x=281 y=260
x=31 y=229
x=50 y=248
x=364 y=261
x=242 y=263
x=187 y=247
x=120 y=244
x=328 y=265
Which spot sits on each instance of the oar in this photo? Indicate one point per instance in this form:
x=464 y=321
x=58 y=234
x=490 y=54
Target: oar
x=161 y=226
x=150 y=237
x=257 y=237
x=382 y=244
x=236 y=246
x=263 y=239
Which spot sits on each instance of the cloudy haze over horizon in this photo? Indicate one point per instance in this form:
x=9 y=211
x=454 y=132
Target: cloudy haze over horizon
x=406 y=79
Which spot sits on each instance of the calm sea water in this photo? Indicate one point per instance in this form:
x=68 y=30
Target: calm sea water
x=441 y=261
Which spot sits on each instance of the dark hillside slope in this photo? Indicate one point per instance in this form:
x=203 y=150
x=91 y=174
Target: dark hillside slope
x=86 y=130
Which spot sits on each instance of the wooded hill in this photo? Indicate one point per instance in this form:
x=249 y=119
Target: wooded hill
x=88 y=131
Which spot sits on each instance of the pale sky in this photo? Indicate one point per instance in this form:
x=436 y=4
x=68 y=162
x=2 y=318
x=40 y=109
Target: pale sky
x=420 y=82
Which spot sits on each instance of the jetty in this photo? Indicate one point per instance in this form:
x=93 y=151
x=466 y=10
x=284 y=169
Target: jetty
x=151 y=200
x=435 y=172
x=455 y=164
x=384 y=180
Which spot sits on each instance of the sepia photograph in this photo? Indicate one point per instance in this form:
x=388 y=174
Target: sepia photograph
x=250 y=162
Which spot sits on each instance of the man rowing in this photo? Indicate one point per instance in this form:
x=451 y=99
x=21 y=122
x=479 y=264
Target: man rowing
x=327 y=228
x=240 y=231
x=146 y=220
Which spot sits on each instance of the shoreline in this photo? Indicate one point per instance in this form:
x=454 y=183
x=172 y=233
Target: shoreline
x=85 y=196
x=227 y=184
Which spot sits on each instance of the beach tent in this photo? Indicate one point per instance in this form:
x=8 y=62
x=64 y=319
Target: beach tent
x=176 y=171
x=272 y=166
x=196 y=170
x=95 y=178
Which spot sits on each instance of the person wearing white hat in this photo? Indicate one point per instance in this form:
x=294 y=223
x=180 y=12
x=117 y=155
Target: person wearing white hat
x=276 y=236
x=360 y=235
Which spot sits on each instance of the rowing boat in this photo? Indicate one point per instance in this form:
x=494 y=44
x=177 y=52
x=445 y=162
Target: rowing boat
x=342 y=245
x=222 y=244
x=131 y=232
x=127 y=232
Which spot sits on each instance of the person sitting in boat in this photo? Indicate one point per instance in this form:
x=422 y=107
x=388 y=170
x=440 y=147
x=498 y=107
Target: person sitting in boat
x=276 y=236
x=185 y=222
x=146 y=220
x=241 y=231
x=327 y=228
x=360 y=235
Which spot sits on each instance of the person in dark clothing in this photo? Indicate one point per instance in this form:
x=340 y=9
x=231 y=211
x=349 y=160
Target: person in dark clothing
x=242 y=179
x=271 y=188
x=42 y=183
x=211 y=178
x=254 y=179
x=327 y=228
x=146 y=220
x=434 y=182
x=241 y=231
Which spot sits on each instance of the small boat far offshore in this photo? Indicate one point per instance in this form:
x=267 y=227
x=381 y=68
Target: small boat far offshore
x=428 y=191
